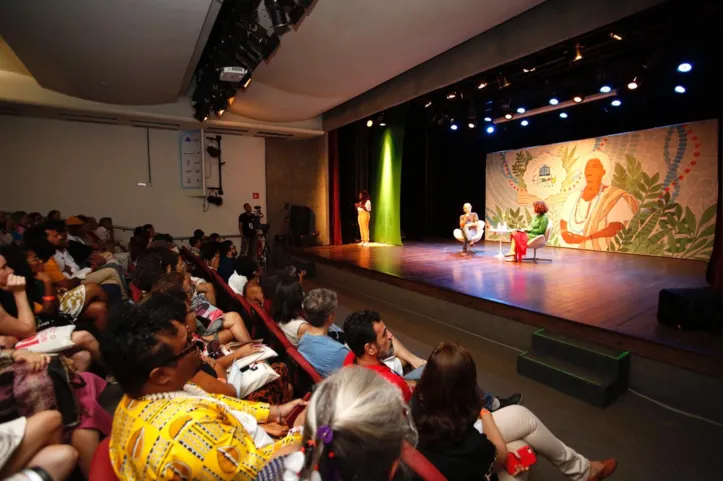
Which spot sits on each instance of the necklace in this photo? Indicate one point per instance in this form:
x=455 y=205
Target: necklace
x=189 y=390
x=576 y=213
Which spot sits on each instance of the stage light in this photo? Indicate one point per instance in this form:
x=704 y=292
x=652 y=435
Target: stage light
x=471 y=125
x=482 y=85
x=382 y=124
x=578 y=52
x=524 y=123
x=381 y=121
x=554 y=101
x=615 y=36
x=616 y=103
x=490 y=129
x=428 y=104
x=634 y=83
x=370 y=123
x=563 y=115
x=605 y=89
x=503 y=82
x=488 y=119
x=577 y=99
x=453 y=127
x=508 y=116
x=528 y=70
x=451 y=95
x=685 y=67
x=528 y=66
x=277 y=14
x=679 y=89
x=521 y=110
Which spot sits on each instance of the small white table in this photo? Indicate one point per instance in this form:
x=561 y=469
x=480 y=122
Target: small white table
x=500 y=233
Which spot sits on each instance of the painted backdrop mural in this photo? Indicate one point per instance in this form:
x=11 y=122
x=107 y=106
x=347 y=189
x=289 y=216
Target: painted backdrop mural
x=649 y=192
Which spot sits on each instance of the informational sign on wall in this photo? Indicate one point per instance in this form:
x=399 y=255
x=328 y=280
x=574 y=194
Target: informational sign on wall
x=191 y=160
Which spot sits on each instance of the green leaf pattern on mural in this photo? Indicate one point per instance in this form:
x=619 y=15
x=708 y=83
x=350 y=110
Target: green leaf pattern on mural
x=522 y=158
x=661 y=226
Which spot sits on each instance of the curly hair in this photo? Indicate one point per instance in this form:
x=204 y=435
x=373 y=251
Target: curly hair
x=540 y=207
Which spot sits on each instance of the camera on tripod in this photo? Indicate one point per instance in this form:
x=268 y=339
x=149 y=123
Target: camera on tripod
x=258 y=215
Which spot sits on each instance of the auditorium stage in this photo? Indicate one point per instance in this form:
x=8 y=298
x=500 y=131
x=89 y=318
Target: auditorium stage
x=608 y=298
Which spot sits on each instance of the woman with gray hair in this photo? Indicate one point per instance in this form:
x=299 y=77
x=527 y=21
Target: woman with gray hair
x=356 y=423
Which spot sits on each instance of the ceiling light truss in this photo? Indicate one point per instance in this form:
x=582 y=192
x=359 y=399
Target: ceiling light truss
x=560 y=106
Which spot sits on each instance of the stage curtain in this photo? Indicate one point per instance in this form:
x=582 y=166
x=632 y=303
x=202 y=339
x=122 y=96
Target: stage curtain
x=715 y=265
x=334 y=200
x=386 y=192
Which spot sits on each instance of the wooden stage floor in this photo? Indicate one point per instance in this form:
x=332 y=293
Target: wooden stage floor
x=616 y=293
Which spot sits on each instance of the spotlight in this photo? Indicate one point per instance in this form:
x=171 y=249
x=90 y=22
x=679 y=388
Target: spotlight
x=482 y=85
x=577 y=99
x=524 y=123
x=453 y=126
x=382 y=124
x=615 y=36
x=563 y=115
x=381 y=121
x=277 y=14
x=503 y=82
x=528 y=70
x=488 y=119
x=508 y=116
x=616 y=103
x=605 y=89
x=554 y=101
x=521 y=110
x=214 y=199
x=451 y=95
x=490 y=129
x=634 y=83
x=685 y=67
x=370 y=123
x=471 y=125
x=528 y=67
x=428 y=104
x=578 y=52
x=679 y=89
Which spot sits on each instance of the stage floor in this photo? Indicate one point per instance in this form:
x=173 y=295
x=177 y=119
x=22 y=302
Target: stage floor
x=617 y=293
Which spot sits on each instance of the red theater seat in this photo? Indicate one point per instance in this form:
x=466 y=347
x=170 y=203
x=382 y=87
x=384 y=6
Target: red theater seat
x=100 y=468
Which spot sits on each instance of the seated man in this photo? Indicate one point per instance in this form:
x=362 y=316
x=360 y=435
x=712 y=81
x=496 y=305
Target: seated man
x=371 y=342
x=324 y=353
x=166 y=428
x=471 y=228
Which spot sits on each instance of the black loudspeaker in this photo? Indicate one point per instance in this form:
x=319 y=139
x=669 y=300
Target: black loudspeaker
x=690 y=309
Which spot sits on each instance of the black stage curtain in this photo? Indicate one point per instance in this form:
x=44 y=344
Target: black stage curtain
x=355 y=142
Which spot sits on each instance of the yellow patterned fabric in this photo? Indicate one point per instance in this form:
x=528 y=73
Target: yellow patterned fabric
x=187 y=438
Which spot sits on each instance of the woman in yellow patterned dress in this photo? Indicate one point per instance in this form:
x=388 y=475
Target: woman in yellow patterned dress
x=166 y=428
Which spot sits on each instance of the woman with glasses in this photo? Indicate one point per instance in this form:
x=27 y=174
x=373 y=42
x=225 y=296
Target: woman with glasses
x=166 y=427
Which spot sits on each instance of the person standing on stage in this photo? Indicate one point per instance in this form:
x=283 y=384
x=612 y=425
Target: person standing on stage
x=364 y=208
x=247 y=229
x=518 y=239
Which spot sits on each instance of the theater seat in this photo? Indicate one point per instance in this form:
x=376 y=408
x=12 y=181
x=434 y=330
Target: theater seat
x=538 y=243
x=421 y=466
x=476 y=238
x=100 y=468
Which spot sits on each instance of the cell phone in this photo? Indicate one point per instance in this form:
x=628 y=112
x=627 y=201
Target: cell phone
x=527 y=458
x=236 y=345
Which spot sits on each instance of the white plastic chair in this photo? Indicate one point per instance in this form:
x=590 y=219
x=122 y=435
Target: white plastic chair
x=538 y=243
x=476 y=238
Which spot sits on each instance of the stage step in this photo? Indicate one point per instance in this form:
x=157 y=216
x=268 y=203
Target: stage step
x=589 y=372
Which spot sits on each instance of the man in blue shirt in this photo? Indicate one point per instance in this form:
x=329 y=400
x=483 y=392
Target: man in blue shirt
x=322 y=352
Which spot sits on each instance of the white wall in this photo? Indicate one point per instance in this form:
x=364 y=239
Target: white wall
x=94 y=169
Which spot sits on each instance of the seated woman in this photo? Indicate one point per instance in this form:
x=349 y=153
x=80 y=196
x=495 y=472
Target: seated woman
x=355 y=428
x=446 y=407
x=33 y=381
x=212 y=377
x=227 y=255
x=518 y=239
x=33 y=446
x=153 y=359
x=287 y=309
x=471 y=228
x=29 y=304
x=245 y=270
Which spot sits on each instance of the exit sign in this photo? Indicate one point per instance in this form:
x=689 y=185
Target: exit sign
x=256 y=195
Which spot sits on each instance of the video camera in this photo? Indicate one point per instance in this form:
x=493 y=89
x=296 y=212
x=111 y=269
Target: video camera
x=258 y=215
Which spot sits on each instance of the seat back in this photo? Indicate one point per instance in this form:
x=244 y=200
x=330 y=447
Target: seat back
x=421 y=466
x=548 y=231
x=101 y=468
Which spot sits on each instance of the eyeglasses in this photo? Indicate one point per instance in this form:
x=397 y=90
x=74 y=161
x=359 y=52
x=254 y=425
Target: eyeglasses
x=190 y=347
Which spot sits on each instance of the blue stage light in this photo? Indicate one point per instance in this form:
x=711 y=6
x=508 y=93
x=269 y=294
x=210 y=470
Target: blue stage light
x=616 y=103
x=453 y=126
x=490 y=129
x=679 y=89
x=685 y=67
x=521 y=110
x=605 y=89
x=563 y=115
x=488 y=119
x=554 y=101
x=524 y=123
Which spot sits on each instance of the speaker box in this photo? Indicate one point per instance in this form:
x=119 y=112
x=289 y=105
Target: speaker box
x=300 y=220
x=690 y=309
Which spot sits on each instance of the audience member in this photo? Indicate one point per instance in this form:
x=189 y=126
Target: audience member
x=53 y=215
x=287 y=309
x=153 y=359
x=254 y=295
x=324 y=353
x=245 y=270
x=227 y=255
x=355 y=427
x=21 y=221
x=371 y=342
x=35 y=218
x=465 y=442
x=33 y=447
x=149 y=230
x=196 y=243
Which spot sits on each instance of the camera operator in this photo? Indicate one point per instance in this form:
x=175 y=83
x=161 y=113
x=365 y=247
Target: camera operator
x=247 y=225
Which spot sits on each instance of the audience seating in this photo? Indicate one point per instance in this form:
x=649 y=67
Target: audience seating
x=101 y=468
x=304 y=376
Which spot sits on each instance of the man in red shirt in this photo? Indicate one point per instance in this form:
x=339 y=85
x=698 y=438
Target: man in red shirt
x=370 y=341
